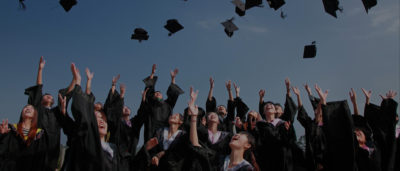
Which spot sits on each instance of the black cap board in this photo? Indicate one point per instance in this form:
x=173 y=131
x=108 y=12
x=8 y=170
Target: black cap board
x=331 y=6
x=368 y=4
x=67 y=4
x=253 y=3
x=240 y=8
x=310 y=50
x=276 y=4
x=230 y=27
x=140 y=34
x=173 y=26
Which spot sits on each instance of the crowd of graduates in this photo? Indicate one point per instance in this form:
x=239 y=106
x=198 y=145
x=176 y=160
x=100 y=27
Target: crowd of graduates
x=104 y=137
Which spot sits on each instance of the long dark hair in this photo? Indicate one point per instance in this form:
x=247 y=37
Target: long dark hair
x=248 y=154
x=32 y=130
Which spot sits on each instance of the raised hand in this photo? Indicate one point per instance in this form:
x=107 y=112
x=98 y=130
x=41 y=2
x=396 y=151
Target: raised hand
x=42 y=62
x=211 y=83
x=367 y=95
x=228 y=85
x=296 y=91
x=173 y=75
x=115 y=79
x=237 y=89
x=353 y=96
x=4 y=127
x=122 y=88
x=151 y=143
x=193 y=96
x=144 y=94
x=153 y=69
x=322 y=95
x=389 y=95
x=63 y=103
x=261 y=93
x=287 y=83
x=308 y=89
x=89 y=74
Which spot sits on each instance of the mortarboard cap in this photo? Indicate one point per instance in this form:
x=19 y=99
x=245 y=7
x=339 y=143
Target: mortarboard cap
x=310 y=50
x=275 y=4
x=229 y=27
x=368 y=4
x=140 y=34
x=253 y=3
x=331 y=6
x=240 y=7
x=67 y=4
x=173 y=26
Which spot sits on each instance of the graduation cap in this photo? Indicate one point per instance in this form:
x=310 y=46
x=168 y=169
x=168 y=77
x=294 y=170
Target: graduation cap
x=331 y=6
x=253 y=3
x=22 y=4
x=276 y=4
x=229 y=27
x=240 y=8
x=310 y=50
x=140 y=34
x=173 y=26
x=67 y=4
x=368 y=4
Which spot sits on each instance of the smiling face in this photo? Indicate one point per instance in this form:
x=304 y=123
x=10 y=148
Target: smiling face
x=212 y=117
x=101 y=123
x=47 y=100
x=126 y=111
x=269 y=109
x=360 y=136
x=279 y=110
x=175 y=119
x=28 y=112
x=240 y=141
x=221 y=110
x=158 y=95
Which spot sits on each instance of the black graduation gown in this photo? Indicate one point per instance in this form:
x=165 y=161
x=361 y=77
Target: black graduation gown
x=47 y=120
x=174 y=156
x=225 y=123
x=382 y=120
x=16 y=155
x=315 y=140
x=397 y=161
x=270 y=146
x=339 y=133
x=86 y=152
x=124 y=136
x=158 y=112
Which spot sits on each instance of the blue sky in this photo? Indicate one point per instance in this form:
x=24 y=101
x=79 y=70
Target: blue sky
x=356 y=50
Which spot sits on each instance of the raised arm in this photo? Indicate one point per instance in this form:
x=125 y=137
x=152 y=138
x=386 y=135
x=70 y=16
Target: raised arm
x=322 y=95
x=114 y=83
x=193 y=112
x=150 y=83
x=39 y=79
x=353 y=98
x=290 y=107
x=153 y=71
x=210 y=93
x=228 y=88
x=296 y=91
x=287 y=83
x=367 y=95
x=261 y=93
x=174 y=90
x=89 y=76
x=4 y=129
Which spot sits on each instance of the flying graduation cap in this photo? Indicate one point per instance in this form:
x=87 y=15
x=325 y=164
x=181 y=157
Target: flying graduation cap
x=276 y=4
x=331 y=6
x=240 y=8
x=229 y=27
x=140 y=34
x=368 y=4
x=173 y=26
x=67 y=4
x=310 y=50
x=253 y=3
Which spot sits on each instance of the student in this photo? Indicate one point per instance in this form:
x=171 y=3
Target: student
x=47 y=117
x=239 y=144
x=24 y=146
x=158 y=110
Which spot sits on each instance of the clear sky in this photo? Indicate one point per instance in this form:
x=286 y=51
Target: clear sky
x=353 y=51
